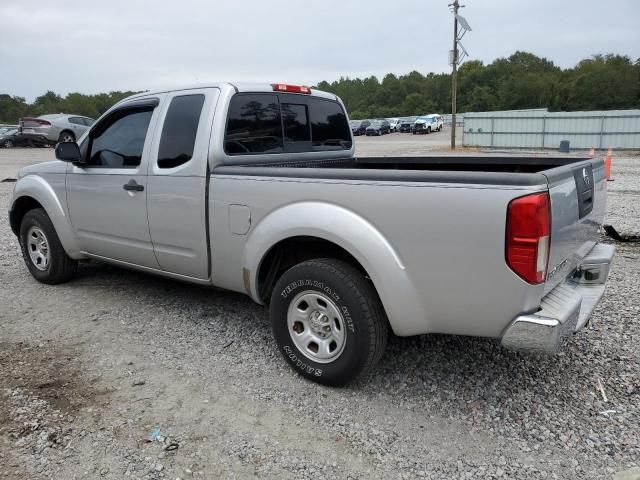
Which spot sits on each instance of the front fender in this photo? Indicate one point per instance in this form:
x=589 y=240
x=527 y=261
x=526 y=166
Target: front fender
x=42 y=191
x=357 y=236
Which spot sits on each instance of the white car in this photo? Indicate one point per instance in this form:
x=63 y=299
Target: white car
x=437 y=122
x=394 y=123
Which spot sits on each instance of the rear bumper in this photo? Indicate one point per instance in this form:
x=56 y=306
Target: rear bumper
x=564 y=310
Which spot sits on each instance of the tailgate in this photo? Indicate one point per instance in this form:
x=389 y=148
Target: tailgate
x=578 y=204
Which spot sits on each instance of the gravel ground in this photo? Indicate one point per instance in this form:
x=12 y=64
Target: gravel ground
x=91 y=368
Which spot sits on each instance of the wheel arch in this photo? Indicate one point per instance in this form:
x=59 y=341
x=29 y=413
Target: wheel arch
x=32 y=192
x=67 y=130
x=19 y=209
x=332 y=231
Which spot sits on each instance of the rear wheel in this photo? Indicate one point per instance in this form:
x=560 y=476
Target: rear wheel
x=7 y=144
x=42 y=251
x=328 y=321
x=66 y=136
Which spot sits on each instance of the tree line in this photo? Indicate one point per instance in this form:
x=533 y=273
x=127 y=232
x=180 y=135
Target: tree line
x=523 y=80
x=12 y=108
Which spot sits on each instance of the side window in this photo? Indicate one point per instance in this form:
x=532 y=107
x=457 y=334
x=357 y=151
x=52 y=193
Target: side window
x=119 y=142
x=329 y=127
x=179 y=130
x=76 y=121
x=88 y=121
x=253 y=125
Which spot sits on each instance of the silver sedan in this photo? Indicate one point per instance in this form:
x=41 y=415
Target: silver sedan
x=58 y=127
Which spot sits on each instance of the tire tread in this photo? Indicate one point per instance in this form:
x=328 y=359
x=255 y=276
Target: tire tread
x=369 y=301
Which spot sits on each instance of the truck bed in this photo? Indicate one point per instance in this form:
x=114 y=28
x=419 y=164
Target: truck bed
x=481 y=169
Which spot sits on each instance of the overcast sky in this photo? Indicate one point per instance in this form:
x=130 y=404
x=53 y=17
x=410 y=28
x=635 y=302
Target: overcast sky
x=96 y=46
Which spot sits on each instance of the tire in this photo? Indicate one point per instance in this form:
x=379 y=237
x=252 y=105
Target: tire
x=7 y=144
x=428 y=130
x=356 y=310
x=54 y=265
x=66 y=136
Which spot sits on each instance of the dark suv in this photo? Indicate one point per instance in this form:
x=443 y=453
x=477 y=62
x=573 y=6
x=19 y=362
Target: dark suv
x=379 y=127
x=359 y=127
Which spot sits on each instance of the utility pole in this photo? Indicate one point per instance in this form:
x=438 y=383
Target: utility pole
x=455 y=58
x=454 y=73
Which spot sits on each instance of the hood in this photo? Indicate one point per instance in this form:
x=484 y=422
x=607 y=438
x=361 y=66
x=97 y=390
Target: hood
x=55 y=166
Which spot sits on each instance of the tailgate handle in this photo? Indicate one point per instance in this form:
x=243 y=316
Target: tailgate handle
x=583 y=177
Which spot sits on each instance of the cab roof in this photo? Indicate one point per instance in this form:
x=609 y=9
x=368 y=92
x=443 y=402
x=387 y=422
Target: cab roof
x=243 y=87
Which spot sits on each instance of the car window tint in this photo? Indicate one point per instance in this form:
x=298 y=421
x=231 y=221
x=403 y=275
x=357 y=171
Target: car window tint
x=179 y=131
x=297 y=132
x=253 y=125
x=329 y=127
x=88 y=121
x=76 y=121
x=120 y=142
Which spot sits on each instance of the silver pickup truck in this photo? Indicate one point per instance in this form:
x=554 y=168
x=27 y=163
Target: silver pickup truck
x=255 y=189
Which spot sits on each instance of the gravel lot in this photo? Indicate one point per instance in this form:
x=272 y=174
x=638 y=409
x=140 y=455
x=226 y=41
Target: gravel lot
x=92 y=367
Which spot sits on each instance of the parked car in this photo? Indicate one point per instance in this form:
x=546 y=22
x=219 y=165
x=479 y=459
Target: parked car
x=342 y=249
x=438 y=121
x=6 y=128
x=57 y=127
x=359 y=127
x=378 y=127
x=405 y=124
x=424 y=124
x=393 y=124
x=13 y=138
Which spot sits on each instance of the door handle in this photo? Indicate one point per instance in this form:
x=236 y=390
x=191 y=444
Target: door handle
x=133 y=186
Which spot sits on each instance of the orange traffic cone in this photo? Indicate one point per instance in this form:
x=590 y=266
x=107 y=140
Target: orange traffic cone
x=607 y=166
x=592 y=152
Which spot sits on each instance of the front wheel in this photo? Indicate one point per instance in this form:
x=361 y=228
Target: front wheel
x=7 y=144
x=42 y=251
x=328 y=321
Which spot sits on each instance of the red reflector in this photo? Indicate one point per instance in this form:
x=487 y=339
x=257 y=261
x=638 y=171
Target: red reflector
x=528 y=236
x=283 y=87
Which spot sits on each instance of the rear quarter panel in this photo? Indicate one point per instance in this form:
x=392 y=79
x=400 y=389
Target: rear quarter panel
x=451 y=275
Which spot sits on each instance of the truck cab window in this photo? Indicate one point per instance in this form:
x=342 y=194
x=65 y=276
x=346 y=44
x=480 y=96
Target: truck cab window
x=179 y=131
x=119 y=144
x=253 y=125
x=329 y=126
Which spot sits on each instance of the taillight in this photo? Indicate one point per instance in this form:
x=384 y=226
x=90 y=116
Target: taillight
x=283 y=87
x=528 y=236
x=34 y=122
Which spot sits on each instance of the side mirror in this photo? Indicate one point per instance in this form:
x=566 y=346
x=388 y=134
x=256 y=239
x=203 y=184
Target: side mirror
x=68 y=152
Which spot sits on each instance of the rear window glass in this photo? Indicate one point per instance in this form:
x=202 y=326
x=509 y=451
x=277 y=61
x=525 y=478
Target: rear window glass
x=295 y=120
x=253 y=125
x=329 y=127
x=179 y=131
x=277 y=123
